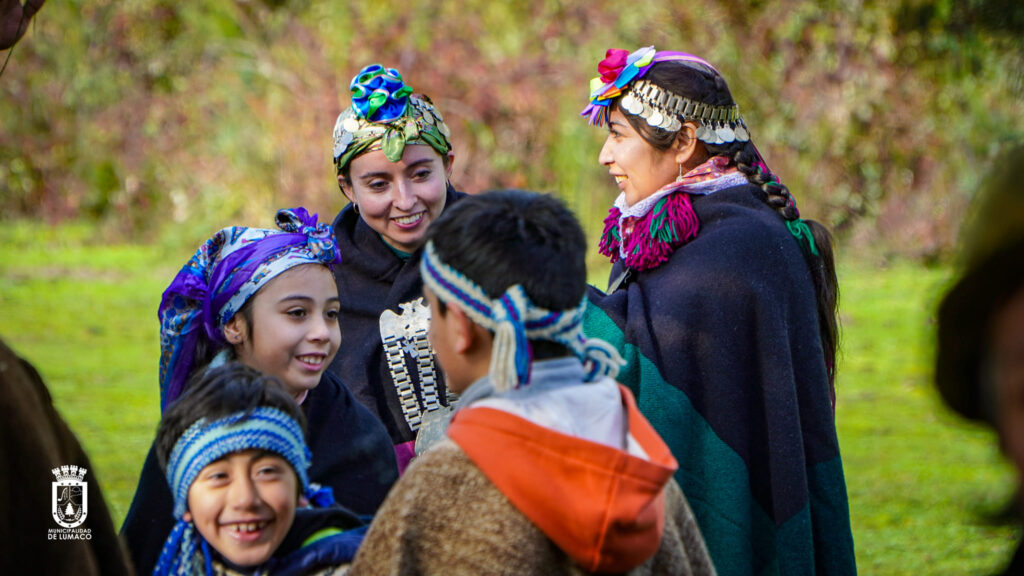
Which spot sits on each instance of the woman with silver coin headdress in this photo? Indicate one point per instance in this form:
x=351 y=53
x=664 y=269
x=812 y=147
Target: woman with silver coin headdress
x=393 y=160
x=722 y=299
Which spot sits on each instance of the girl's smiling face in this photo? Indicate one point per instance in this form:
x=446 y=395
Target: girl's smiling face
x=294 y=333
x=399 y=199
x=244 y=505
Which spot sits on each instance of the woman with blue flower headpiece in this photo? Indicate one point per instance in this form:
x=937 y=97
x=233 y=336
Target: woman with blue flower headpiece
x=268 y=299
x=723 y=301
x=393 y=160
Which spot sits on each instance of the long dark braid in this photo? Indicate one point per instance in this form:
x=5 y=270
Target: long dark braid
x=702 y=84
x=817 y=247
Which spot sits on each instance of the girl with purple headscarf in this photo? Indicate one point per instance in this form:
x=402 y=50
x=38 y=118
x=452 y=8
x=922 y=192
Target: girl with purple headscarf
x=268 y=299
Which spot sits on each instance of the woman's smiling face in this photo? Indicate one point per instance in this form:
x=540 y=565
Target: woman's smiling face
x=638 y=168
x=400 y=199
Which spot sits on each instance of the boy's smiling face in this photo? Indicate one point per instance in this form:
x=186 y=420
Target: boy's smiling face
x=244 y=505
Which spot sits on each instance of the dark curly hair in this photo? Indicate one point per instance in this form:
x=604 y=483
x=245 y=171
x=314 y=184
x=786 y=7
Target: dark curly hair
x=219 y=392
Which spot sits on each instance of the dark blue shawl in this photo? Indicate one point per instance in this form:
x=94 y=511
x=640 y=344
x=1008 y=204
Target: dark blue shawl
x=725 y=359
x=372 y=279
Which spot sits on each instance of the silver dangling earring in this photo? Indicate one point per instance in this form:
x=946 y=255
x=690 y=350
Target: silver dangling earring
x=680 y=177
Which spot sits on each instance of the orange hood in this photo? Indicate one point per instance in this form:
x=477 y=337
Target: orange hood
x=602 y=506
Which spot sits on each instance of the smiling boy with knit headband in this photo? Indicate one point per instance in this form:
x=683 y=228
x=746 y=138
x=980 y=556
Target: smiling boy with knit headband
x=234 y=453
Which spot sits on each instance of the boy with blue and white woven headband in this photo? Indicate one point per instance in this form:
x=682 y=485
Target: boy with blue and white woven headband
x=268 y=299
x=235 y=457
x=548 y=466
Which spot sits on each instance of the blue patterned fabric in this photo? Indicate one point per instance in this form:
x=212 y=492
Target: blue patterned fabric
x=379 y=94
x=385 y=115
x=205 y=442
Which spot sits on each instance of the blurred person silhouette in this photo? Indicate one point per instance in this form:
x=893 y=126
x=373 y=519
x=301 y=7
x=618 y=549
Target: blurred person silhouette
x=14 y=20
x=34 y=440
x=979 y=362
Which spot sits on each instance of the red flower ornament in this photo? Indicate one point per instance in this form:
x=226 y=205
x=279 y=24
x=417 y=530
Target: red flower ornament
x=612 y=65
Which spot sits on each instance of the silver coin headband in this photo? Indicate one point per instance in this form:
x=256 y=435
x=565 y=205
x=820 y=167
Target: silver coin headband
x=665 y=110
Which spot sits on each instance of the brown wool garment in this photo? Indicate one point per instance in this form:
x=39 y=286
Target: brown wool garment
x=445 y=517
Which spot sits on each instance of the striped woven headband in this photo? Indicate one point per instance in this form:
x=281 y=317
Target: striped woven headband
x=205 y=442
x=515 y=320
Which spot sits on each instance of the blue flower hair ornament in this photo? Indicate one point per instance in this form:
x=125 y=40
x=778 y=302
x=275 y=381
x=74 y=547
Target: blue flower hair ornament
x=385 y=115
x=379 y=94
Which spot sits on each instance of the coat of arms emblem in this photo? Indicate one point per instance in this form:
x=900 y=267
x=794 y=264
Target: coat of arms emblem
x=70 y=502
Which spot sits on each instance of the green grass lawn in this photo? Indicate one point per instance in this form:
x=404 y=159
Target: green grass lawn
x=85 y=316
x=919 y=480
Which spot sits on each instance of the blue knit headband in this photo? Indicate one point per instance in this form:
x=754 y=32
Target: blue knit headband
x=515 y=320
x=205 y=442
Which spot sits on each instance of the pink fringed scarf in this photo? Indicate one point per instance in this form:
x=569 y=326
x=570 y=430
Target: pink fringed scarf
x=644 y=235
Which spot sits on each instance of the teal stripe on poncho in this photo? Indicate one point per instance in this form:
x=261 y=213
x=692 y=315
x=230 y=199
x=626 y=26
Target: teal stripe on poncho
x=741 y=538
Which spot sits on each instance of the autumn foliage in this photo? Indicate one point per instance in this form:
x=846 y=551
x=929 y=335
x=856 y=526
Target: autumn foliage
x=152 y=114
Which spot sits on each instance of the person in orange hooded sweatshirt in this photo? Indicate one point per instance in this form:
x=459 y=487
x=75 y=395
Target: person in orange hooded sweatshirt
x=548 y=467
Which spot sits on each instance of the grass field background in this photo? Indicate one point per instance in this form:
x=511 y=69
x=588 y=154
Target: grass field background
x=84 y=312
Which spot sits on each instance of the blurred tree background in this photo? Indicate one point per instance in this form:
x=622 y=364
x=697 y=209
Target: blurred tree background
x=158 y=117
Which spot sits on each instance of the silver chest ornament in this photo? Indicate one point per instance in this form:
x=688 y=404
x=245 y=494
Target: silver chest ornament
x=405 y=335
